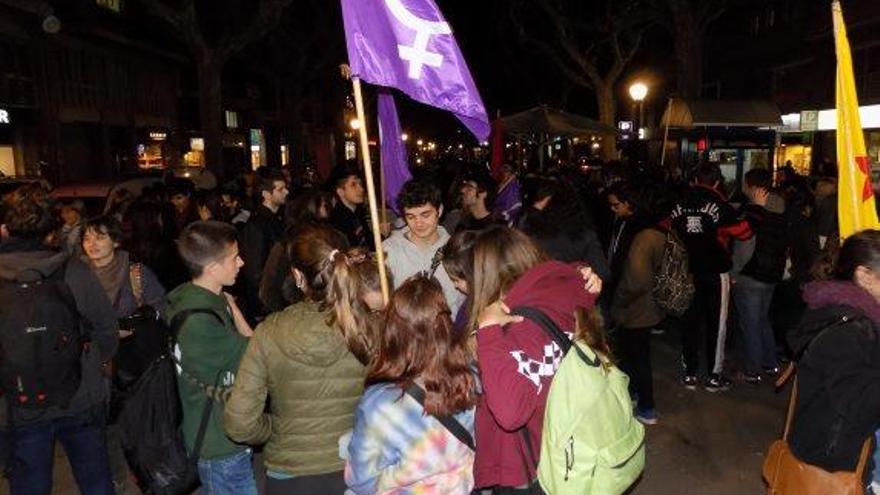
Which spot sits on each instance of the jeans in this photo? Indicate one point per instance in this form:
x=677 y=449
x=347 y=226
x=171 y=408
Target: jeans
x=233 y=475
x=752 y=299
x=83 y=439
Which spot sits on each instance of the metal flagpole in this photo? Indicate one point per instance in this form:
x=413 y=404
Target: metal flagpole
x=666 y=133
x=371 y=188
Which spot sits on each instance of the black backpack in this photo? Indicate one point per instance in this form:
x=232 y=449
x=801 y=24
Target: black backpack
x=673 y=288
x=150 y=424
x=41 y=341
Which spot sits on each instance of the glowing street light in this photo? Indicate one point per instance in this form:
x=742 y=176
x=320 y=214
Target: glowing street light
x=420 y=142
x=638 y=92
x=404 y=137
x=355 y=124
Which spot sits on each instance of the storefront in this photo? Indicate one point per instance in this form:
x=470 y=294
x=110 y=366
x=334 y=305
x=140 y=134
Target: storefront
x=739 y=135
x=257 y=148
x=7 y=145
x=152 y=152
x=19 y=139
x=808 y=138
x=195 y=157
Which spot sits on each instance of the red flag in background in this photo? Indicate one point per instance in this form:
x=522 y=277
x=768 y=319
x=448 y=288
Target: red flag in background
x=497 y=146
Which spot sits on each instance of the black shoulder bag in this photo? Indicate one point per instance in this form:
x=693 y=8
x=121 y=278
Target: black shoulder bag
x=449 y=422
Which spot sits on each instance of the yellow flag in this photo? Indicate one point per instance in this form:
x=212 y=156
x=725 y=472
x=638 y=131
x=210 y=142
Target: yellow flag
x=856 y=210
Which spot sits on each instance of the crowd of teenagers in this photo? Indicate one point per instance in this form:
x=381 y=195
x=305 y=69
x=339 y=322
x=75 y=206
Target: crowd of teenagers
x=281 y=339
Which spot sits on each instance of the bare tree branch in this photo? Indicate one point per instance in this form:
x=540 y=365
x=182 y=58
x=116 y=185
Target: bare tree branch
x=267 y=19
x=578 y=55
x=563 y=67
x=584 y=51
x=712 y=10
x=552 y=52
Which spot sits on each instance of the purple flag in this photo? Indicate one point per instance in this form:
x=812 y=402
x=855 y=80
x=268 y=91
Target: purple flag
x=407 y=44
x=393 y=152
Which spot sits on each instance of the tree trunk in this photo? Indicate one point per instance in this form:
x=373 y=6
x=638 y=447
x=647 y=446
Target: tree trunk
x=273 y=144
x=211 y=114
x=688 y=50
x=293 y=121
x=607 y=113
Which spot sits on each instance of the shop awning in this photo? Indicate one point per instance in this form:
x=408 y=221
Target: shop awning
x=546 y=120
x=687 y=114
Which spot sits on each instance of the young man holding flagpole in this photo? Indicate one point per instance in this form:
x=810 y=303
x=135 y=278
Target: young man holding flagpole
x=408 y=46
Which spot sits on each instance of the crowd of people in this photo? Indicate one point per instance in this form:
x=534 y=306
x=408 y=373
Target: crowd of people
x=283 y=341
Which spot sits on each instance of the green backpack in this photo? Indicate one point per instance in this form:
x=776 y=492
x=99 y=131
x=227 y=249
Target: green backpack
x=591 y=443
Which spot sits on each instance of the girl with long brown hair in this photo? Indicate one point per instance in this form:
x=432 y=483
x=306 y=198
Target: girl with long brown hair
x=419 y=382
x=312 y=370
x=457 y=258
x=517 y=359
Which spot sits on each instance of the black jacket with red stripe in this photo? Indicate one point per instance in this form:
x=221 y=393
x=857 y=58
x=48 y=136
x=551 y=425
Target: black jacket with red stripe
x=707 y=223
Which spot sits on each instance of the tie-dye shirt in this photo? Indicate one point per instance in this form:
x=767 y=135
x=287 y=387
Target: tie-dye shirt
x=396 y=449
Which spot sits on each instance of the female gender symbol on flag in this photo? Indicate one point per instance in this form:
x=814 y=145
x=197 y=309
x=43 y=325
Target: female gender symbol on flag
x=418 y=55
x=408 y=45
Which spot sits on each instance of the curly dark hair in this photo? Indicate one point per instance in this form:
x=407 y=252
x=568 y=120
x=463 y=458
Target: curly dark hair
x=105 y=224
x=418 y=192
x=28 y=214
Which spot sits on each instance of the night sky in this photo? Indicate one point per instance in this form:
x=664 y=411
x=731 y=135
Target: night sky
x=512 y=78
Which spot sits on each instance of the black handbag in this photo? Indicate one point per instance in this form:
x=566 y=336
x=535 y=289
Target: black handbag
x=144 y=337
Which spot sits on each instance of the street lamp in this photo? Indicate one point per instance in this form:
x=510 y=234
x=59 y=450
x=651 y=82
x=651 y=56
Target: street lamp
x=638 y=92
x=355 y=124
x=404 y=137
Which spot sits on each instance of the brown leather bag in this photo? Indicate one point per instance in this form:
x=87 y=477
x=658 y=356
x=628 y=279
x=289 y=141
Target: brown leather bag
x=785 y=474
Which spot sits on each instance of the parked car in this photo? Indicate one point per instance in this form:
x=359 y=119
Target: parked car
x=9 y=184
x=97 y=196
x=202 y=178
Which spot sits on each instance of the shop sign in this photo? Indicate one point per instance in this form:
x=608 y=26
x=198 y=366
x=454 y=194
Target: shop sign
x=626 y=129
x=810 y=120
x=4 y=116
x=158 y=135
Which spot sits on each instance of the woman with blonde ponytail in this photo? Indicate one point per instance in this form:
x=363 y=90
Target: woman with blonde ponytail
x=309 y=359
x=355 y=295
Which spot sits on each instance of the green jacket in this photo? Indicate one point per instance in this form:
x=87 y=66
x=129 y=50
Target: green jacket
x=633 y=306
x=314 y=384
x=206 y=349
